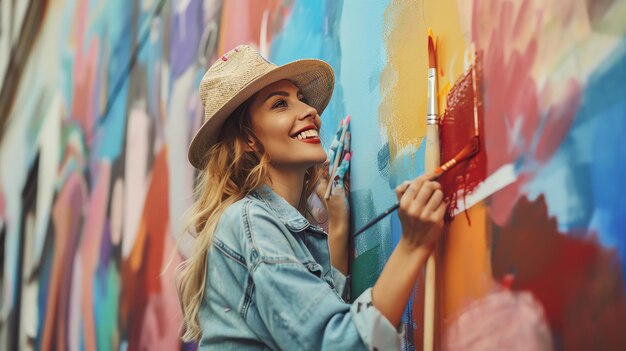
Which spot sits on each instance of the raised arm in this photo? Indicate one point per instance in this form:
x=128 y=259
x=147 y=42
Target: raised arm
x=421 y=213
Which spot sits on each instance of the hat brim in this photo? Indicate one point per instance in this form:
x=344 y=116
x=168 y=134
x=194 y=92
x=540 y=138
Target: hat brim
x=314 y=78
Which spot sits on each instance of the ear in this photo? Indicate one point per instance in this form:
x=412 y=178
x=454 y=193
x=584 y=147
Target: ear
x=251 y=145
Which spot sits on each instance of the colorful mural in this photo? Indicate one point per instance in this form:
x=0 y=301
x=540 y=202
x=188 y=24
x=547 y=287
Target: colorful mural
x=94 y=178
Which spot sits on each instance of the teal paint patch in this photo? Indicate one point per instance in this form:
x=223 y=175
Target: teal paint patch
x=365 y=271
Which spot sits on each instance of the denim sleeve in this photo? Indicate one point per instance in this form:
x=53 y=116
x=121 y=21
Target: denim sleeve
x=302 y=312
x=342 y=284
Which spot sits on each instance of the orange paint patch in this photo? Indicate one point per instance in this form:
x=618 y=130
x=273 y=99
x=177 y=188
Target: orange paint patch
x=465 y=267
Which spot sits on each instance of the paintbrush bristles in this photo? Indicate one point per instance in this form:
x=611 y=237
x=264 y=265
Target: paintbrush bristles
x=432 y=54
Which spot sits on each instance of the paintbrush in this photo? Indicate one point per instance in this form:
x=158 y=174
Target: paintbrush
x=332 y=151
x=432 y=160
x=338 y=157
x=468 y=151
x=432 y=151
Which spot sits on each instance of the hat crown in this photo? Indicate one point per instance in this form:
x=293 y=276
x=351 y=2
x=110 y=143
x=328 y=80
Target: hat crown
x=229 y=74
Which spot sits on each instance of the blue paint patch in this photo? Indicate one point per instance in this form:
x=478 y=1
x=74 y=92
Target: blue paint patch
x=117 y=29
x=312 y=31
x=583 y=182
x=384 y=165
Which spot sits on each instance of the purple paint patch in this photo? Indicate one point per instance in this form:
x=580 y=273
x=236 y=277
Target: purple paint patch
x=185 y=35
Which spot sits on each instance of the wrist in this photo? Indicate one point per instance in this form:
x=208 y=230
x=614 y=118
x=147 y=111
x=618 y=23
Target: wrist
x=414 y=248
x=337 y=229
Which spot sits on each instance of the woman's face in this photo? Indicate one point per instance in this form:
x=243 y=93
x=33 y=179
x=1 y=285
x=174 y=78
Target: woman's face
x=287 y=127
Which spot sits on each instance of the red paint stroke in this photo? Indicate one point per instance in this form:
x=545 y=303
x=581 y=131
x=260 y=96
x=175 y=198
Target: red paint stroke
x=241 y=22
x=578 y=282
x=84 y=74
x=141 y=272
x=456 y=129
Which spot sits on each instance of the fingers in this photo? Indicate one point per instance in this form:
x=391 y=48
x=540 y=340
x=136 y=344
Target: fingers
x=435 y=200
x=424 y=195
x=408 y=190
x=321 y=187
x=407 y=195
x=400 y=189
x=426 y=192
x=439 y=213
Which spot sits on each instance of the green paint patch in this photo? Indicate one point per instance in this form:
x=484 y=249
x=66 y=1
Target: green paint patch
x=106 y=309
x=365 y=271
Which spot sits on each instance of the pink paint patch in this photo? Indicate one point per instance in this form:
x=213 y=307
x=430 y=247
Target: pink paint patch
x=503 y=320
x=241 y=21
x=89 y=250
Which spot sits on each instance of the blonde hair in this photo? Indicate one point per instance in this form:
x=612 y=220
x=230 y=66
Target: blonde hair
x=232 y=171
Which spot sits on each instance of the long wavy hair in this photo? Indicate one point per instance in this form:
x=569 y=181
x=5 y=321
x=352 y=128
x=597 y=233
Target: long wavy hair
x=232 y=171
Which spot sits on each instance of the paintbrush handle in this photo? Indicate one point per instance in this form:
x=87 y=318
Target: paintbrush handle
x=431 y=176
x=377 y=219
x=432 y=162
x=432 y=158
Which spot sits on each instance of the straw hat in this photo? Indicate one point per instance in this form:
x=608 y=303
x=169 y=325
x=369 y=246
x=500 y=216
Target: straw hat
x=241 y=73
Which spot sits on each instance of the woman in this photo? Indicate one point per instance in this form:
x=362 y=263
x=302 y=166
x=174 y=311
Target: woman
x=261 y=276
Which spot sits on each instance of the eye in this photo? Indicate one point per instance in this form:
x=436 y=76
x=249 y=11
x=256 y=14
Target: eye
x=303 y=99
x=279 y=103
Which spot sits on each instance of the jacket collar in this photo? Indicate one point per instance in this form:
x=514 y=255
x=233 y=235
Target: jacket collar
x=288 y=214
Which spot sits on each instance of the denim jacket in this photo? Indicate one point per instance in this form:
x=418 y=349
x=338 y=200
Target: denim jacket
x=271 y=286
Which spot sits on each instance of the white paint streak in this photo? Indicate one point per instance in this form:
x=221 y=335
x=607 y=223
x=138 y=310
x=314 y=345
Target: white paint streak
x=499 y=179
x=183 y=103
x=136 y=169
x=49 y=143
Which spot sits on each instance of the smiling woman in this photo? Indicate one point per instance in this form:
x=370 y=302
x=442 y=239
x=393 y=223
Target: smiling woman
x=263 y=275
x=287 y=127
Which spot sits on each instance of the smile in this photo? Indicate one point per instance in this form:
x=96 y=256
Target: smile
x=310 y=136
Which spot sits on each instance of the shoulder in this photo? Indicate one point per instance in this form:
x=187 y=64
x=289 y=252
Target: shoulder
x=245 y=213
x=252 y=226
x=267 y=236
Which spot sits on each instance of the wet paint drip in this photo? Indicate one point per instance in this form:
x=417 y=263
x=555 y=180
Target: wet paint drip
x=456 y=130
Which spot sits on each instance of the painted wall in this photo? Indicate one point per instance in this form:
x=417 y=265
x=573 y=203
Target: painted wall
x=94 y=177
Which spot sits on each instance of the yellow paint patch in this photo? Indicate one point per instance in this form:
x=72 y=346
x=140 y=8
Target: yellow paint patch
x=405 y=77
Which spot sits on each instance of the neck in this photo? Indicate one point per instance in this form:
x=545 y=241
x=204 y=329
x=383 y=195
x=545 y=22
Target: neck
x=287 y=183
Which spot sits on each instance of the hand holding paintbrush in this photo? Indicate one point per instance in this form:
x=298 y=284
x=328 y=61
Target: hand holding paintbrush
x=339 y=155
x=470 y=150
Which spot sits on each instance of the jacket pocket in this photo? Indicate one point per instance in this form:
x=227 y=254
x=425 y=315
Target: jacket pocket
x=315 y=268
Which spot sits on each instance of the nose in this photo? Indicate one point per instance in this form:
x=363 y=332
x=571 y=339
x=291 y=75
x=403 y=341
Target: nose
x=308 y=112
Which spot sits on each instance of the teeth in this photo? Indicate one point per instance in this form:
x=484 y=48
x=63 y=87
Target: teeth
x=311 y=133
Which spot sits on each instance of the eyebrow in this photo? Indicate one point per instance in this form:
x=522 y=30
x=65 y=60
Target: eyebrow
x=281 y=93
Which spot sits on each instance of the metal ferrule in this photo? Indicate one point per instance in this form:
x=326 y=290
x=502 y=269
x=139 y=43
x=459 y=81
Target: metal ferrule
x=431 y=112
